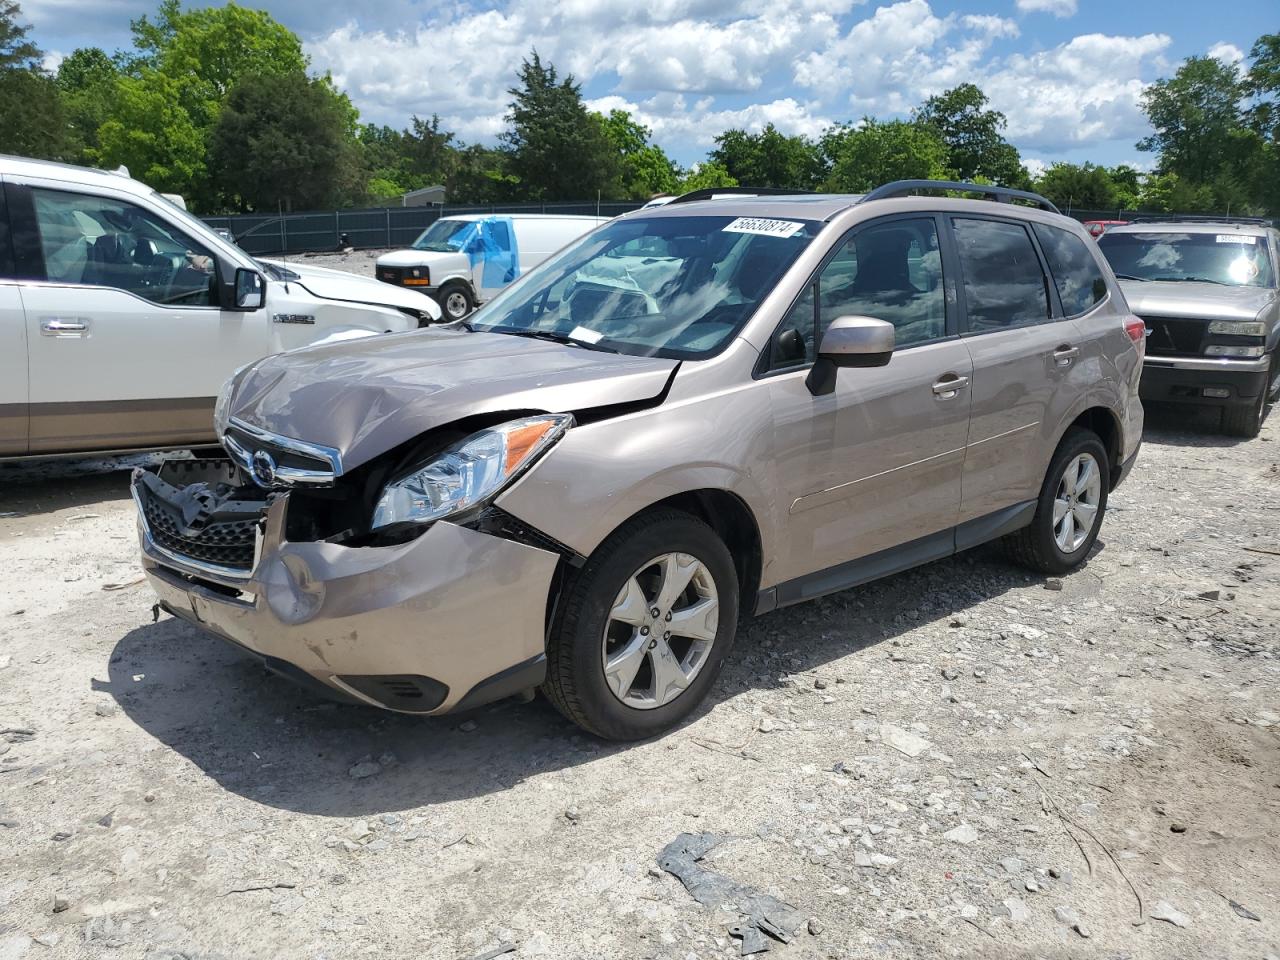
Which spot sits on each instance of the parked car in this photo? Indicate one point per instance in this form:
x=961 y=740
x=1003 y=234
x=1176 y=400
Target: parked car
x=583 y=485
x=1097 y=228
x=121 y=314
x=1210 y=297
x=462 y=261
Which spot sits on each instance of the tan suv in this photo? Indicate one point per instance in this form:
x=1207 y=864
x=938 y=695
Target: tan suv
x=697 y=410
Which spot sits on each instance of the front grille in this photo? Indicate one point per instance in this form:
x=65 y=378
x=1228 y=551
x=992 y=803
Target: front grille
x=1176 y=337
x=229 y=544
x=282 y=456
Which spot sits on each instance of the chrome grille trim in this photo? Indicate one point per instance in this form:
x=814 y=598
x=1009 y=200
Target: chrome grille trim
x=288 y=476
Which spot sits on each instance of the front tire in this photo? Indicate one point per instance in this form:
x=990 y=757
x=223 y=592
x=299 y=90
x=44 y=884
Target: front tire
x=644 y=627
x=456 y=301
x=1070 y=508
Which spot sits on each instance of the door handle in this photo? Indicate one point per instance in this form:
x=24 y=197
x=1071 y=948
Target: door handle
x=949 y=386
x=58 y=327
x=1065 y=354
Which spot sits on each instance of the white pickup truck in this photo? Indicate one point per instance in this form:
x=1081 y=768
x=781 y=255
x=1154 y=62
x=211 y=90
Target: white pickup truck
x=462 y=261
x=121 y=315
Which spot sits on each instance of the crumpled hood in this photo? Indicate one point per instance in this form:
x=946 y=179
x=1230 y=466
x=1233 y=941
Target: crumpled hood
x=364 y=397
x=1198 y=301
x=354 y=288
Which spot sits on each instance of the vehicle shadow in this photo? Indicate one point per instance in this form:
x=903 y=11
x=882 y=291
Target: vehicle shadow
x=1185 y=425
x=31 y=487
x=263 y=738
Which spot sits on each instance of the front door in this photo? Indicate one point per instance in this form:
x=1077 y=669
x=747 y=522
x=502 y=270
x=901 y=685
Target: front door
x=127 y=344
x=877 y=463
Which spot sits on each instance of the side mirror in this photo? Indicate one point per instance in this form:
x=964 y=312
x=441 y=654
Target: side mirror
x=251 y=290
x=850 y=342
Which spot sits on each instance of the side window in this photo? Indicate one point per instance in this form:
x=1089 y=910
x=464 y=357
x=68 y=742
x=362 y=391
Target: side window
x=1004 y=285
x=6 y=249
x=1075 y=271
x=110 y=243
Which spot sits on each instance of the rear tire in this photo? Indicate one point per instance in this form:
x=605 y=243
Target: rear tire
x=596 y=627
x=1246 y=421
x=1054 y=542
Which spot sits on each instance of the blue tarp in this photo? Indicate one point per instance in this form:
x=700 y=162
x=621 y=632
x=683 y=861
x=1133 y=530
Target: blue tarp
x=493 y=241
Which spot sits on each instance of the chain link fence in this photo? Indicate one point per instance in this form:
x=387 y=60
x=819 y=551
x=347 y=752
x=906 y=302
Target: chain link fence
x=310 y=232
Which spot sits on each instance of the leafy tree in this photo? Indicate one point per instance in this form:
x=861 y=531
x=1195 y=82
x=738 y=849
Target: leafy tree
x=645 y=168
x=87 y=80
x=974 y=137
x=1193 y=113
x=769 y=158
x=430 y=151
x=153 y=136
x=874 y=153
x=1128 y=184
x=558 y=149
x=16 y=51
x=1263 y=83
x=1079 y=187
x=482 y=175
x=704 y=176
x=282 y=138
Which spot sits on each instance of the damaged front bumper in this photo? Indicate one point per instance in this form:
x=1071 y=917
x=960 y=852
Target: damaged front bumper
x=450 y=620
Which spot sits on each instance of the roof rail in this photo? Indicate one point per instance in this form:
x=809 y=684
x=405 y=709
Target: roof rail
x=710 y=193
x=1203 y=218
x=903 y=188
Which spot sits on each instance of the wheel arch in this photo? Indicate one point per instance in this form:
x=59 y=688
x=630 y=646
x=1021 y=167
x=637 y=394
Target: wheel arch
x=1103 y=422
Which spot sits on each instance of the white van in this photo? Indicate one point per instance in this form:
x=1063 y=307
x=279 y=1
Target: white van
x=121 y=315
x=465 y=260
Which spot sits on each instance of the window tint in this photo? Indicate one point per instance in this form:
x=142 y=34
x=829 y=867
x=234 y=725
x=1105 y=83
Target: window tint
x=1075 y=271
x=890 y=271
x=109 y=243
x=1004 y=285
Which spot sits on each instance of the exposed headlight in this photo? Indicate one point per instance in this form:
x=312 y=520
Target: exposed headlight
x=1218 y=350
x=470 y=472
x=1239 y=328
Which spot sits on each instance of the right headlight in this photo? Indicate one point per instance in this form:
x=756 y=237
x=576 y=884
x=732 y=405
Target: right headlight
x=470 y=472
x=1239 y=328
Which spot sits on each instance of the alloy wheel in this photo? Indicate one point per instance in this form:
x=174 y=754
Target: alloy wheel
x=1075 y=507
x=660 y=631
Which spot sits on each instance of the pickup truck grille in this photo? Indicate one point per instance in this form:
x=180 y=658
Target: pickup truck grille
x=1176 y=337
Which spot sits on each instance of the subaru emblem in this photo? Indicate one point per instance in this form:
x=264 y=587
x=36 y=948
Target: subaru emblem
x=264 y=468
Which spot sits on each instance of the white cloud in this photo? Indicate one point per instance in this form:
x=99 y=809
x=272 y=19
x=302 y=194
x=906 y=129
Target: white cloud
x=1035 y=166
x=672 y=118
x=1228 y=53
x=1059 y=8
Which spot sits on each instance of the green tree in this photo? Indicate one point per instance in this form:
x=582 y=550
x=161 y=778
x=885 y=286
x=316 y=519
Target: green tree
x=974 y=136
x=645 y=168
x=769 y=158
x=1193 y=113
x=87 y=79
x=704 y=176
x=558 y=148
x=1078 y=187
x=282 y=138
x=31 y=117
x=864 y=157
x=1128 y=185
x=152 y=135
x=482 y=175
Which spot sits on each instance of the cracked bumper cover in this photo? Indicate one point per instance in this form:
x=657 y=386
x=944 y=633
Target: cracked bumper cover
x=461 y=608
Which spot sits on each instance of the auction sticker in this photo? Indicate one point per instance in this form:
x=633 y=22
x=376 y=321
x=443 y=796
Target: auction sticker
x=765 y=228
x=1236 y=238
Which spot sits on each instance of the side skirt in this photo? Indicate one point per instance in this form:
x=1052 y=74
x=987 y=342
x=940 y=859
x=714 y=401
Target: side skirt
x=885 y=563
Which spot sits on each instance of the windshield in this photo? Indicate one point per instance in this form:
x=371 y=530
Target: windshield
x=675 y=287
x=1231 y=258
x=443 y=236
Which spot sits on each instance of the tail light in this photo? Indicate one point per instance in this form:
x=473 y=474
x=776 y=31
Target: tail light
x=1136 y=328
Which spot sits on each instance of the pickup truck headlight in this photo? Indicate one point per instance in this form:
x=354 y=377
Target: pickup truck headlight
x=470 y=472
x=1219 y=350
x=1239 y=328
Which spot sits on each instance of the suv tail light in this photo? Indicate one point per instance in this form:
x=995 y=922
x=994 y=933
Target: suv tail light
x=1136 y=328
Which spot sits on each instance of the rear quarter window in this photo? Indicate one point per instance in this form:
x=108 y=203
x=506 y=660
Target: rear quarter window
x=1075 y=270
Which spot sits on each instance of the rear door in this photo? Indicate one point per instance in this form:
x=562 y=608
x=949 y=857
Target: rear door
x=128 y=346
x=1026 y=369
x=875 y=464
x=13 y=348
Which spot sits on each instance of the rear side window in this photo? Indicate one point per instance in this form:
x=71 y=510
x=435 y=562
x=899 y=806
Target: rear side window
x=1004 y=285
x=6 y=249
x=1075 y=271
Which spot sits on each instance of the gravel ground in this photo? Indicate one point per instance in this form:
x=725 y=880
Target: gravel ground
x=959 y=761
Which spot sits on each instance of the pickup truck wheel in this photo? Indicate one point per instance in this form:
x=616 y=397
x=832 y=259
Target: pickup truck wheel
x=1245 y=421
x=456 y=301
x=1070 y=508
x=644 y=628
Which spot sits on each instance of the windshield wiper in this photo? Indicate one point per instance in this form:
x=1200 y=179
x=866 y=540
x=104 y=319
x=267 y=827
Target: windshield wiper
x=462 y=322
x=1222 y=283
x=1125 y=276
x=552 y=337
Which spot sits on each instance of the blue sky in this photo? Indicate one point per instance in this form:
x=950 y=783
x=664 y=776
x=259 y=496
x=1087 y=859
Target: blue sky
x=1067 y=73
